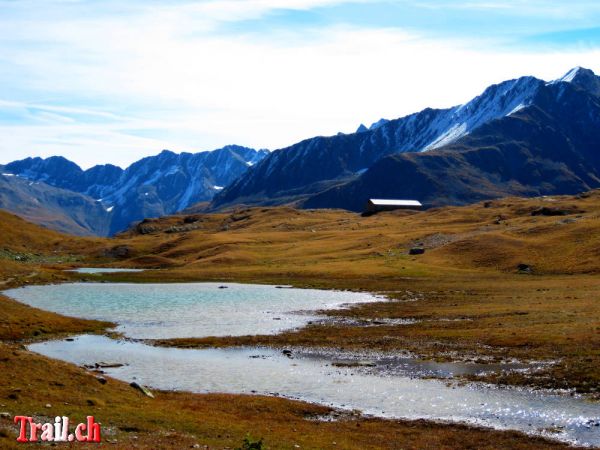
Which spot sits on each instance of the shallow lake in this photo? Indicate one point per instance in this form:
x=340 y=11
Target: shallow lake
x=395 y=387
x=158 y=310
x=313 y=378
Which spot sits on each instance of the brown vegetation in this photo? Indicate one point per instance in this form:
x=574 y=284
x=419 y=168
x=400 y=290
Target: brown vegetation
x=497 y=280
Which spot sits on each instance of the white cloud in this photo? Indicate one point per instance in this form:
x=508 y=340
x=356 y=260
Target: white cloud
x=106 y=83
x=236 y=10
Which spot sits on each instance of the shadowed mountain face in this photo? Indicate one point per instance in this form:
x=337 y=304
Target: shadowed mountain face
x=54 y=208
x=151 y=187
x=327 y=171
x=550 y=147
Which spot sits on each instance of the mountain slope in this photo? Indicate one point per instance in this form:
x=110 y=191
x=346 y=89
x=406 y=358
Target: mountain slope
x=54 y=208
x=315 y=164
x=550 y=147
x=328 y=172
x=150 y=187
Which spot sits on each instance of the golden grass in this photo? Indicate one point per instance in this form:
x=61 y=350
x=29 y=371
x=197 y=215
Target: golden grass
x=20 y=322
x=464 y=291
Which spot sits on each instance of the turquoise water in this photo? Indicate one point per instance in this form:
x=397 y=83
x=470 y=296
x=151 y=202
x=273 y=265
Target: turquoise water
x=188 y=309
x=395 y=387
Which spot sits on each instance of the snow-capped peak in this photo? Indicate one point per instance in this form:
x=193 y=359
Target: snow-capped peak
x=571 y=74
x=582 y=78
x=497 y=101
x=575 y=75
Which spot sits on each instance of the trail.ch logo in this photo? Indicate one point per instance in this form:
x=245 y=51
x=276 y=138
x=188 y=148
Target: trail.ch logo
x=57 y=431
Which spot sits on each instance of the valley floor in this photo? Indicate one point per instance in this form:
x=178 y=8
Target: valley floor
x=505 y=280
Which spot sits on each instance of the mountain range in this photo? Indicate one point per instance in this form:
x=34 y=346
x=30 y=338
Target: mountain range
x=525 y=137
x=106 y=199
x=520 y=137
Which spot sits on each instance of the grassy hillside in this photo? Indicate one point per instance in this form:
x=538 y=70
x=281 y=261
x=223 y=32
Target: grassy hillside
x=553 y=235
x=466 y=292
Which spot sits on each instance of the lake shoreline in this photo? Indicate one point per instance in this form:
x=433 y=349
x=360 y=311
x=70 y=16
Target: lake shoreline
x=275 y=336
x=318 y=335
x=124 y=365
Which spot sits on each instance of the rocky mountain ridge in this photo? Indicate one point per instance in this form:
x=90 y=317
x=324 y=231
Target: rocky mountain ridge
x=151 y=187
x=318 y=172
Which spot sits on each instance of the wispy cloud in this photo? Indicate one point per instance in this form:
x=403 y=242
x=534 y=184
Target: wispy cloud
x=117 y=80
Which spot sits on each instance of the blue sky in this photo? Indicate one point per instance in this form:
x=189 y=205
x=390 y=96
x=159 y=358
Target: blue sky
x=112 y=81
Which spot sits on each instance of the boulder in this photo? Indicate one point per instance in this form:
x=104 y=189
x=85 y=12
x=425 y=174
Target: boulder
x=550 y=211
x=416 y=251
x=119 y=251
x=105 y=365
x=524 y=268
x=143 y=389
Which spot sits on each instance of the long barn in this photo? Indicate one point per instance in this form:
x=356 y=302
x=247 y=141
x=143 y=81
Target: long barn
x=375 y=205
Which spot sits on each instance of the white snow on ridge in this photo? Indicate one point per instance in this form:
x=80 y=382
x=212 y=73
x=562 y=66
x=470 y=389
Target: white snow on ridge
x=218 y=188
x=451 y=135
x=496 y=102
x=109 y=209
x=8 y=174
x=570 y=75
x=517 y=108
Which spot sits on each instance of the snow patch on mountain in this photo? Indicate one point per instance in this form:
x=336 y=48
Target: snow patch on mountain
x=519 y=107
x=153 y=186
x=449 y=136
x=570 y=75
x=497 y=101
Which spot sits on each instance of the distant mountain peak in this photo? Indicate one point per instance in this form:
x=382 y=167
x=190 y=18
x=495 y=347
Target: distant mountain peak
x=150 y=187
x=377 y=124
x=574 y=73
x=166 y=152
x=363 y=128
x=583 y=78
